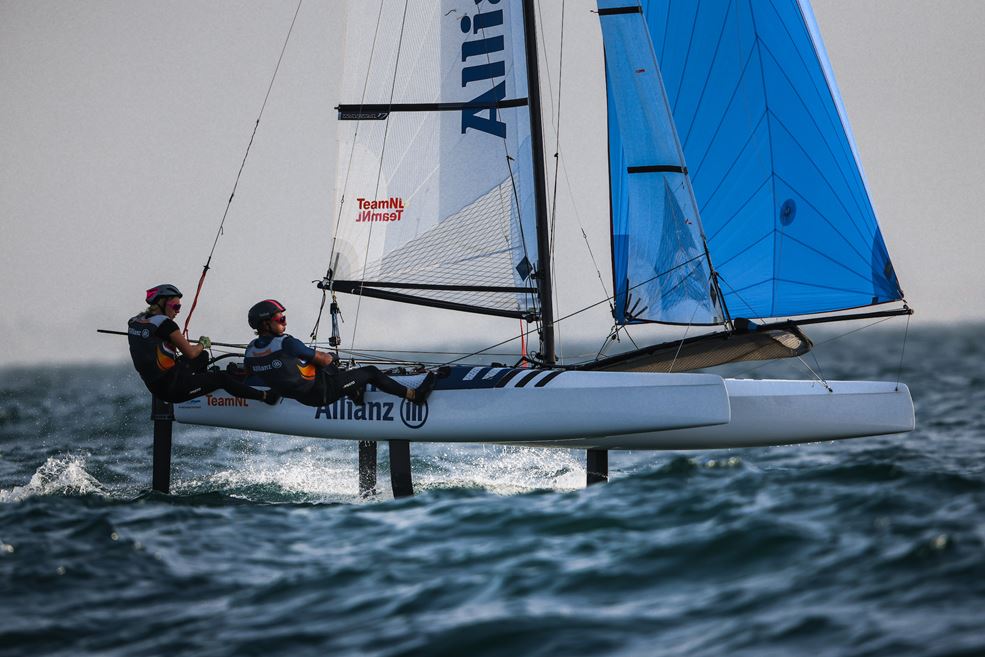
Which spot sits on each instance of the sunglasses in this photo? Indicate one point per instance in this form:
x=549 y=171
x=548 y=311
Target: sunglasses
x=175 y=307
x=282 y=320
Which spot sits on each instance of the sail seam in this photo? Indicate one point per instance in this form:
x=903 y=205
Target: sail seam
x=820 y=133
x=830 y=85
x=740 y=208
x=821 y=175
x=687 y=58
x=711 y=67
x=725 y=111
x=751 y=245
x=777 y=246
x=828 y=257
x=735 y=161
x=834 y=125
x=823 y=217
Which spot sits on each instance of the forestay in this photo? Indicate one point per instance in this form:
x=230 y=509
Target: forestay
x=782 y=196
x=435 y=172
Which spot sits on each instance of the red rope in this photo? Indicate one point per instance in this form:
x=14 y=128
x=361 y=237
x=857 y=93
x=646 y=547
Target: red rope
x=523 y=346
x=198 y=291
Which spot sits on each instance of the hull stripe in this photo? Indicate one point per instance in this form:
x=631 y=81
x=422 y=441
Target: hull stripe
x=547 y=379
x=528 y=378
x=506 y=378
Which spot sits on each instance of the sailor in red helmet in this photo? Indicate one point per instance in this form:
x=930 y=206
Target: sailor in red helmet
x=297 y=371
x=155 y=341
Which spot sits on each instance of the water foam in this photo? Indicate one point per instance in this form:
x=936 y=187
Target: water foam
x=505 y=470
x=312 y=474
x=59 y=475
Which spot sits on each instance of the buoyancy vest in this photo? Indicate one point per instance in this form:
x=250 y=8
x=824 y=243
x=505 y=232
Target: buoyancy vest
x=285 y=374
x=152 y=356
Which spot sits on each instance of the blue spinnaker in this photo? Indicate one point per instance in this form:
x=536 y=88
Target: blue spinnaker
x=660 y=268
x=782 y=197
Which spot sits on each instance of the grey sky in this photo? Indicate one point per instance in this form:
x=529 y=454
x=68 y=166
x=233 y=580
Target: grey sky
x=122 y=126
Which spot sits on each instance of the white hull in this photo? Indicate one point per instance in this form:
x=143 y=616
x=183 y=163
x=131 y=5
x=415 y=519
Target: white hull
x=611 y=410
x=583 y=404
x=777 y=412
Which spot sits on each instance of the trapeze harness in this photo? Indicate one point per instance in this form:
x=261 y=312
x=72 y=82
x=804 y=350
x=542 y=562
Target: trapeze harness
x=169 y=376
x=152 y=354
x=284 y=364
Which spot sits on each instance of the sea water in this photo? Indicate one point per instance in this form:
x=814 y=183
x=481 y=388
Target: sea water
x=874 y=546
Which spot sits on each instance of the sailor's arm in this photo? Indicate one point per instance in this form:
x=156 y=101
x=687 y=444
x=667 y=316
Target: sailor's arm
x=295 y=347
x=184 y=346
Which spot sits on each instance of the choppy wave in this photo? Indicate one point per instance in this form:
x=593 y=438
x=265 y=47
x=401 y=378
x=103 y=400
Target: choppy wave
x=265 y=547
x=59 y=475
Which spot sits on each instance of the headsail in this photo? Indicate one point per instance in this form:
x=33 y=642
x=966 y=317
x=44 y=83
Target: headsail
x=782 y=196
x=660 y=268
x=435 y=172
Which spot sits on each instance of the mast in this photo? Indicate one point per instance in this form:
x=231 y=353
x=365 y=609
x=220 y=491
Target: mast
x=540 y=188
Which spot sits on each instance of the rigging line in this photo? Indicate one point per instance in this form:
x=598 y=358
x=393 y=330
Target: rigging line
x=557 y=159
x=509 y=158
x=379 y=172
x=816 y=375
x=739 y=296
x=355 y=134
x=683 y=338
x=332 y=258
x=818 y=363
x=577 y=312
x=321 y=308
x=256 y=125
x=906 y=332
x=837 y=337
x=532 y=296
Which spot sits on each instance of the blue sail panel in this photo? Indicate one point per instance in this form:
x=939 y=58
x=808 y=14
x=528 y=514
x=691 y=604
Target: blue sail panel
x=660 y=268
x=771 y=156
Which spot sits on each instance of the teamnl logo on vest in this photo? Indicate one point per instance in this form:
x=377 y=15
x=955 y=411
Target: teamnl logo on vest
x=486 y=61
x=386 y=209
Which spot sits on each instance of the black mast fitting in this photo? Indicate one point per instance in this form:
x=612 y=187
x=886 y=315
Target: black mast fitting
x=545 y=291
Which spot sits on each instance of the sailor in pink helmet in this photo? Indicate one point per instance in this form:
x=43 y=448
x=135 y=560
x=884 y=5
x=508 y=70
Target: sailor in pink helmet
x=155 y=343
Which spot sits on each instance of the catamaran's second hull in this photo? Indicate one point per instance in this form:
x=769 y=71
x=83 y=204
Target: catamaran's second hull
x=778 y=412
x=491 y=405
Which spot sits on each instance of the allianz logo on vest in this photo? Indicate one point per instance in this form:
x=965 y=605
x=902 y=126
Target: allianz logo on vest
x=412 y=415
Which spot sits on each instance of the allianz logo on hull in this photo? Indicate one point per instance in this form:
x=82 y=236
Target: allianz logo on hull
x=413 y=416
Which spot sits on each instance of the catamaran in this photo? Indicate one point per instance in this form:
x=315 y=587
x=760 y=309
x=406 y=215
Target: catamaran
x=737 y=203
